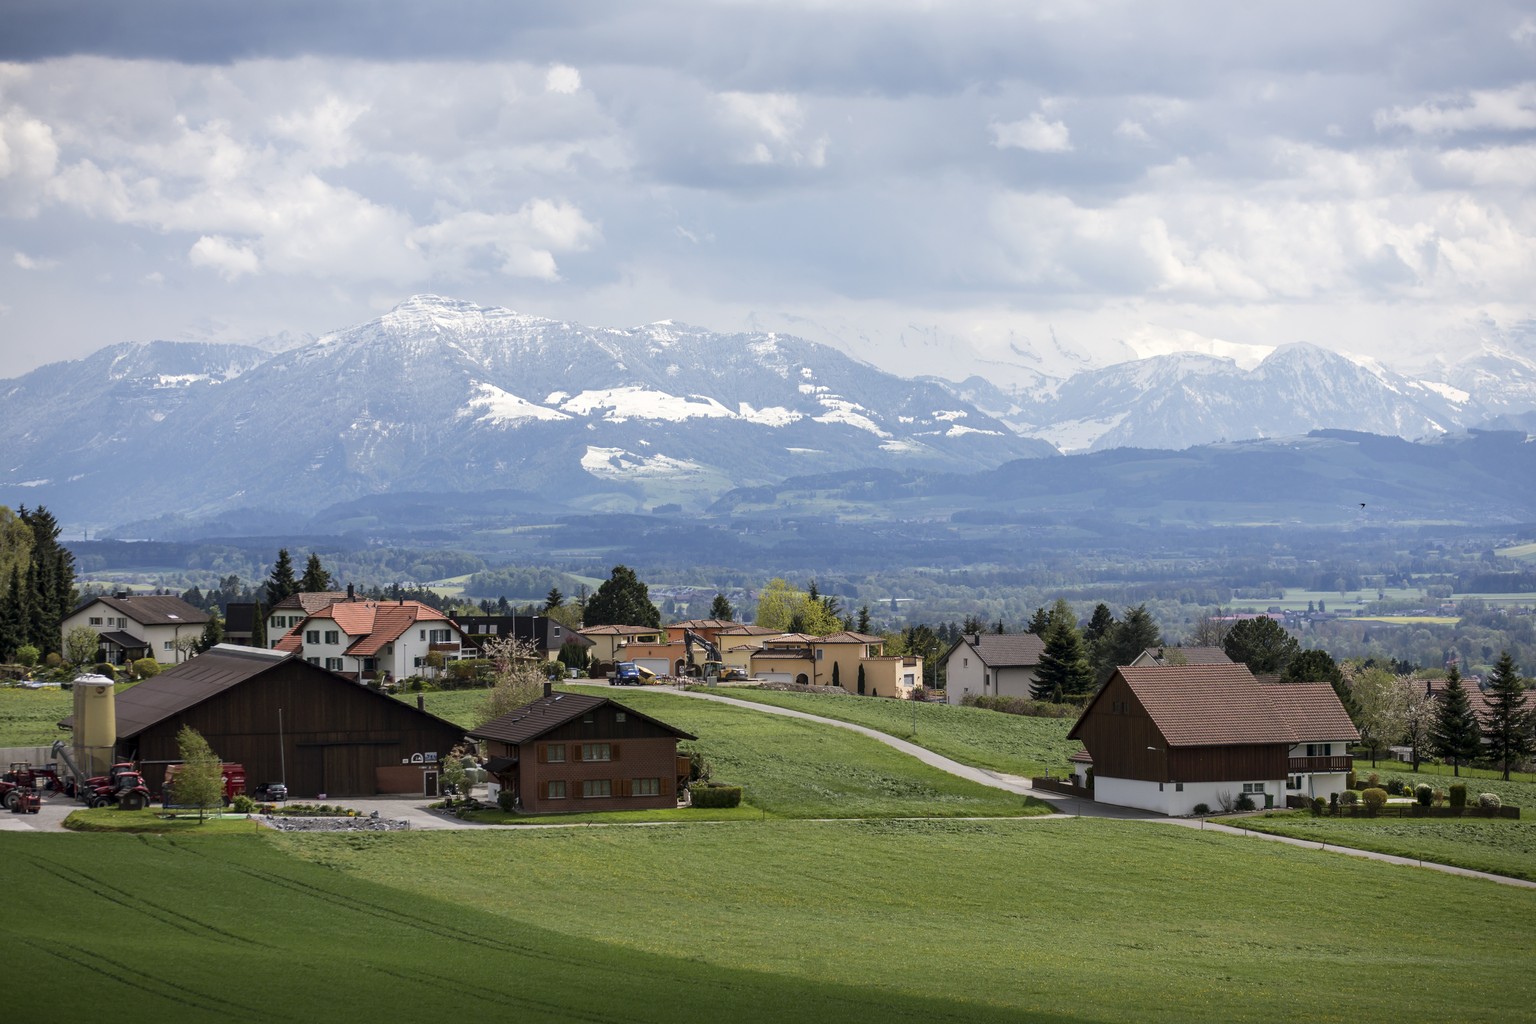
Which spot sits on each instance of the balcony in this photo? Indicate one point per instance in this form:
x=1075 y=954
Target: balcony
x=1321 y=764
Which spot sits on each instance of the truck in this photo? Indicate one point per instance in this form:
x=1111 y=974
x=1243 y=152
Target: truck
x=233 y=776
x=627 y=673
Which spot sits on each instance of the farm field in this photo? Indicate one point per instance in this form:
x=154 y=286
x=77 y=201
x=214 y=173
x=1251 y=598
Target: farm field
x=28 y=717
x=1024 y=917
x=1497 y=845
x=974 y=736
x=797 y=769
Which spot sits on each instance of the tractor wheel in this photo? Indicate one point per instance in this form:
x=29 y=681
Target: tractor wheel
x=101 y=801
x=13 y=799
x=133 y=802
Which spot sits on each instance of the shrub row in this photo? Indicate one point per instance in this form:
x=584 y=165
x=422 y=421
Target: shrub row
x=715 y=794
x=1021 y=706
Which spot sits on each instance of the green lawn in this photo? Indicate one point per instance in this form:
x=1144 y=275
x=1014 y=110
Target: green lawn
x=28 y=717
x=1498 y=845
x=110 y=819
x=973 y=736
x=1519 y=791
x=796 y=769
x=1088 y=920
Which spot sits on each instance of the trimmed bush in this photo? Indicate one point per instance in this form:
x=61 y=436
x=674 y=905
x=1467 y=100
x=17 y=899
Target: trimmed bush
x=146 y=668
x=1439 y=798
x=1458 y=794
x=242 y=804
x=27 y=656
x=1489 y=801
x=1424 y=793
x=1395 y=787
x=1244 y=802
x=1021 y=706
x=506 y=801
x=1202 y=809
x=1333 y=800
x=1372 y=781
x=715 y=794
x=1349 y=798
x=1375 y=799
x=104 y=669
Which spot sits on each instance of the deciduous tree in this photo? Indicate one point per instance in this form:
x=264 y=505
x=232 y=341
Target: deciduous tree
x=622 y=600
x=200 y=778
x=81 y=645
x=1383 y=711
x=518 y=674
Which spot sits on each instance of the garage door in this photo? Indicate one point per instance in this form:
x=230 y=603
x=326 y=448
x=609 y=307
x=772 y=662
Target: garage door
x=661 y=666
x=776 y=677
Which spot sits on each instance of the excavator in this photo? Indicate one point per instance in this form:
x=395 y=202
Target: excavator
x=710 y=670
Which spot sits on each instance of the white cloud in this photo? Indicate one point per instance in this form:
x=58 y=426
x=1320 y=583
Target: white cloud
x=1034 y=133
x=25 y=262
x=562 y=78
x=1505 y=110
x=524 y=242
x=773 y=124
x=224 y=256
x=1132 y=130
x=28 y=155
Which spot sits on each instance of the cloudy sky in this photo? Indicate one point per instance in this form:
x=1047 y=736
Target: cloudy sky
x=921 y=183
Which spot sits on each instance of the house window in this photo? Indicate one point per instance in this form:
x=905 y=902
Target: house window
x=1178 y=787
x=95 y=620
x=311 y=636
x=334 y=664
x=596 y=752
x=488 y=629
x=1319 y=749
x=333 y=636
x=1253 y=787
x=555 y=632
x=555 y=789
x=619 y=716
x=554 y=753
x=170 y=645
x=439 y=636
x=597 y=788
x=819 y=653
x=645 y=787
x=370 y=664
x=1293 y=782
x=313 y=661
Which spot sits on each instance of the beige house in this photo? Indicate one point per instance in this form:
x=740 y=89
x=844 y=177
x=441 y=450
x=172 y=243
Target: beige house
x=135 y=626
x=992 y=664
x=854 y=661
x=608 y=640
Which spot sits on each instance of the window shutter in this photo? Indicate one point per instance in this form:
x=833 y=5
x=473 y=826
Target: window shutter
x=576 y=749
x=614 y=751
x=543 y=753
x=621 y=787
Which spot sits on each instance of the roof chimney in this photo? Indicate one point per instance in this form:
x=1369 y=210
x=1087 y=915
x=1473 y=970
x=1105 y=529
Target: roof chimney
x=549 y=689
x=351 y=596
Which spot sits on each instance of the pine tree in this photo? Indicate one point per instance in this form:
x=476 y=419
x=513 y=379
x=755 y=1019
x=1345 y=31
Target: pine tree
x=1099 y=625
x=1064 y=673
x=1038 y=623
x=1455 y=736
x=720 y=608
x=864 y=621
x=213 y=631
x=554 y=599
x=13 y=618
x=1508 y=729
x=258 y=627
x=315 y=580
x=282 y=583
x=1125 y=640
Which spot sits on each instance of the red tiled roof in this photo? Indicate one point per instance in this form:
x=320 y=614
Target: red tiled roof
x=619 y=630
x=1208 y=705
x=309 y=602
x=1313 y=711
x=850 y=637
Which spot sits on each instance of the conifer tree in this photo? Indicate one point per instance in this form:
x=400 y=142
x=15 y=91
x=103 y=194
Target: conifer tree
x=1455 y=736
x=720 y=608
x=258 y=626
x=316 y=579
x=1508 y=729
x=282 y=583
x=1064 y=673
x=864 y=619
x=1038 y=623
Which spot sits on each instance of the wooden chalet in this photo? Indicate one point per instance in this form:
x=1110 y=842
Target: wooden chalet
x=1168 y=738
x=567 y=752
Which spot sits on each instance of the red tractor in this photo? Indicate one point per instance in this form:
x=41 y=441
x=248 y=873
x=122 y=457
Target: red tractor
x=123 y=788
x=233 y=776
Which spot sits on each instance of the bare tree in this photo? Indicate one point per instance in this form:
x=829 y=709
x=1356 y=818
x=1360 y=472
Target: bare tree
x=519 y=674
x=1209 y=632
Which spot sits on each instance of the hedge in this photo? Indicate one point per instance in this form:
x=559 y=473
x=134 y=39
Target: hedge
x=715 y=794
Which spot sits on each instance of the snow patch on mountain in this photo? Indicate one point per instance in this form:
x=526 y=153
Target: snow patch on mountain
x=500 y=408
x=772 y=416
x=618 y=464
x=635 y=403
x=849 y=414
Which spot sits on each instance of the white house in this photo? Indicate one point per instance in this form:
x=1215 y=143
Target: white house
x=992 y=664
x=136 y=626
x=368 y=639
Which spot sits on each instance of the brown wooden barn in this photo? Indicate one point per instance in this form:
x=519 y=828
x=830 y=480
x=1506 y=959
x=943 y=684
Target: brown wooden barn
x=284 y=720
x=573 y=752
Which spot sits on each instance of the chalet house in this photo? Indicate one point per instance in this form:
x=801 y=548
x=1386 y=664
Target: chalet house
x=608 y=640
x=138 y=626
x=372 y=639
x=992 y=665
x=1182 y=656
x=542 y=633
x=285 y=720
x=567 y=752
x=1166 y=739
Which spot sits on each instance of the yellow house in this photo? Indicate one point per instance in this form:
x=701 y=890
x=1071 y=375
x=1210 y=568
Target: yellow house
x=833 y=660
x=606 y=640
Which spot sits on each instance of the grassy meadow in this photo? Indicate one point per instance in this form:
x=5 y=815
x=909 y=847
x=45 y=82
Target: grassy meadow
x=797 y=769
x=974 y=736
x=1497 y=845
x=29 y=718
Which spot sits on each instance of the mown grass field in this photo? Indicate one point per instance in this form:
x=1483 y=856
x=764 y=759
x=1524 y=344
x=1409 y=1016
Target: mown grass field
x=973 y=736
x=1088 y=920
x=29 y=717
x=1498 y=845
x=796 y=769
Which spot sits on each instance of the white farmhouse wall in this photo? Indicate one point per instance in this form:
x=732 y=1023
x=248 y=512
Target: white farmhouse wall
x=1167 y=798
x=963 y=674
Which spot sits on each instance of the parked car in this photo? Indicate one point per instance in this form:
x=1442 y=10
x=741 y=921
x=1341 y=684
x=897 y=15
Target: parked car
x=271 y=793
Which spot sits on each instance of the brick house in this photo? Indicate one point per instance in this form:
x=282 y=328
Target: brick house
x=569 y=752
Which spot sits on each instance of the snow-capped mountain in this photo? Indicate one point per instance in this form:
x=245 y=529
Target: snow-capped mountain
x=445 y=396
x=1183 y=399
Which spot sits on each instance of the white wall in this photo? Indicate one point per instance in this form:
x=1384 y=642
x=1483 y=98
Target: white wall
x=1170 y=800
x=963 y=674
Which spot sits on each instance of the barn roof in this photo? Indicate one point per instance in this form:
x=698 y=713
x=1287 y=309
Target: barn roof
x=534 y=719
x=1203 y=705
x=215 y=671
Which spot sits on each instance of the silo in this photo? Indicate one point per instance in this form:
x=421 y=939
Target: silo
x=95 y=723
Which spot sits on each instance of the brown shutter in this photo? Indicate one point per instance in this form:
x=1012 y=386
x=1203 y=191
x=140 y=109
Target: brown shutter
x=543 y=753
x=576 y=749
x=614 y=751
x=621 y=787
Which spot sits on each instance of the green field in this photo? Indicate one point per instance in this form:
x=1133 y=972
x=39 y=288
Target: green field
x=797 y=769
x=29 y=718
x=973 y=736
x=1520 y=790
x=1497 y=845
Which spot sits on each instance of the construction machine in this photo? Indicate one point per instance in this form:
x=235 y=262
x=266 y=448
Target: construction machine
x=710 y=670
